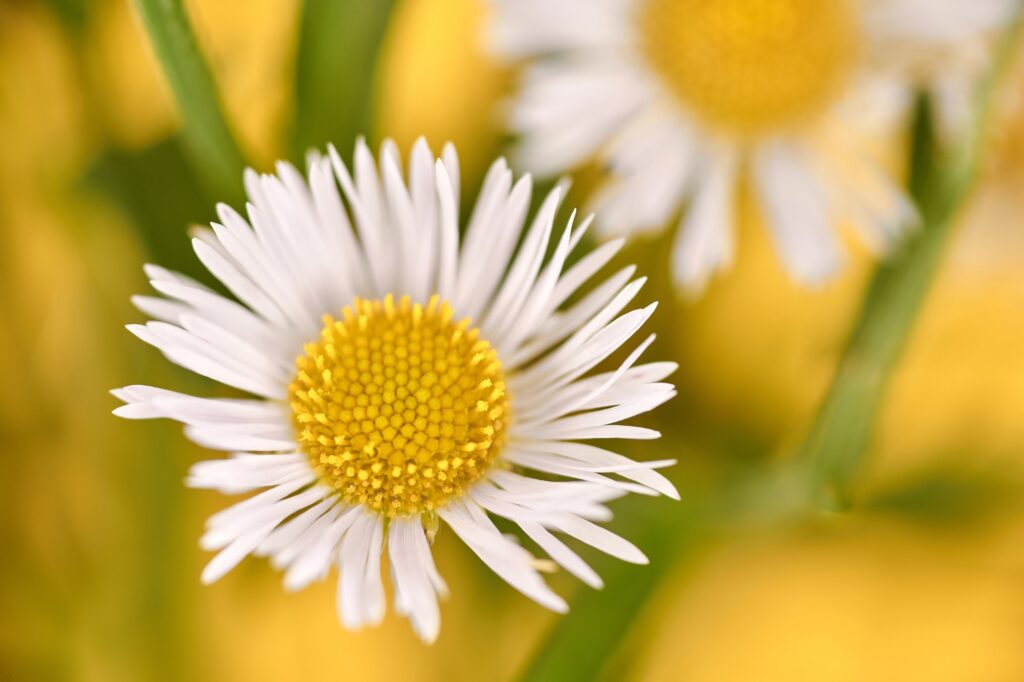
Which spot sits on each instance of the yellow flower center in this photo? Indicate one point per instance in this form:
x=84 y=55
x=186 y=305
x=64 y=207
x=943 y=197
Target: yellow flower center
x=398 y=407
x=750 y=66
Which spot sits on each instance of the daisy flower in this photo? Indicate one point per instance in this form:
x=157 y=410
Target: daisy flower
x=687 y=99
x=403 y=376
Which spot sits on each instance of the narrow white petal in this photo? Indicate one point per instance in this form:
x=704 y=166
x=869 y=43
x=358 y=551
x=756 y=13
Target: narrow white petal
x=705 y=243
x=360 y=591
x=599 y=538
x=523 y=271
x=315 y=561
x=291 y=530
x=511 y=562
x=229 y=557
x=412 y=579
x=558 y=551
x=447 y=273
x=794 y=202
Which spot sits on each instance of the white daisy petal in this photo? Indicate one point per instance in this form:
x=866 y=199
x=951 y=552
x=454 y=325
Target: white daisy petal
x=185 y=351
x=795 y=204
x=582 y=498
x=305 y=536
x=224 y=527
x=583 y=351
x=314 y=562
x=918 y=20
x=587 y=454
x=230 y=556
x=523 y=271
x=496 y=220
x=448 y=245
x=569 y=108
x=535 y=26
x=568 y=469
x=288 y=533
x=238 y=283
x=561 y=553
x=580 y=423
x=233 y=316
x=704 y=242
x=518 y=321
x=426 y=230
x=865 y=191
x=571 y=399
x=508 y=560
x=245 y=472
x=413 y=577
x=160 y=308
x=653 y=160
x=359 y=587
x=237 y=239
x=147 y=402
x=599 y=538
x=605 y=300
x=336 y=230
x=518 y=508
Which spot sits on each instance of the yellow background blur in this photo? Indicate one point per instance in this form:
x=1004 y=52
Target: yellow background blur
x=99 y=562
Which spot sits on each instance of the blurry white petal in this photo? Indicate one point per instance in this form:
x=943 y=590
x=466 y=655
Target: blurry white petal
x=794 y=202
x=704 y=242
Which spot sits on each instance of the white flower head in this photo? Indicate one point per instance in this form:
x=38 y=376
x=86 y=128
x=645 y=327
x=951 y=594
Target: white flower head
x=404 y=376
x=685 y=99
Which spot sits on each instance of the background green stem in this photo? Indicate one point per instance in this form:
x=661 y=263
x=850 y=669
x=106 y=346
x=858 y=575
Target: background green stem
x=212 y=147
x=940 y=180
x=339 y=45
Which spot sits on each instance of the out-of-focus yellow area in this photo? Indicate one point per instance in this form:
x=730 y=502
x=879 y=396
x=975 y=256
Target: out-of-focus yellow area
x=251 y=51
x=436 y=81
x=863 y=603
x=99 y=573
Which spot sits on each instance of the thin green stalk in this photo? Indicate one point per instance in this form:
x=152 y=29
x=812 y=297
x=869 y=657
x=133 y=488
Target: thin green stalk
x=841 y=432
x=213 y=149
x=339 y=44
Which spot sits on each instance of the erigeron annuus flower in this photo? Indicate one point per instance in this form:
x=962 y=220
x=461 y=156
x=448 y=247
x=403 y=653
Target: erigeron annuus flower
x=688 y=99
x=404 y=376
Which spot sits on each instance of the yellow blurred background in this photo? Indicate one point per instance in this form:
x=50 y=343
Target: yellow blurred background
x=100 y=563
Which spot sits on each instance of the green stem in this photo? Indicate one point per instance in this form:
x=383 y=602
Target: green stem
x=213 y=149
x=339 y=45
x=841 y=432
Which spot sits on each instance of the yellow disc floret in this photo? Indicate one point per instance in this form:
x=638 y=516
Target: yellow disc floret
x=398 y=407
x=750 y=66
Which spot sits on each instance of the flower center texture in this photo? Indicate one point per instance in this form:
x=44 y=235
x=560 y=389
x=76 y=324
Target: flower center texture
x=751 y=66
x=398 y=407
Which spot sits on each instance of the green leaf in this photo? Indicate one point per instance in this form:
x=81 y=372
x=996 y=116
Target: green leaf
x=339 y=44
x=211 y=145
x=940 y=181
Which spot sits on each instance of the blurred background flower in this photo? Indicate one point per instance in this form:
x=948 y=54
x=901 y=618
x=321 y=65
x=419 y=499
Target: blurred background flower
x=919 y=581
x=791 y=100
